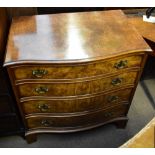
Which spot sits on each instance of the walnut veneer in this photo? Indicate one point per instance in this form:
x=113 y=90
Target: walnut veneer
x=74 y=71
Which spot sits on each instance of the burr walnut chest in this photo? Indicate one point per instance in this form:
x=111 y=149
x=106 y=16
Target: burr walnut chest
x=74 y=71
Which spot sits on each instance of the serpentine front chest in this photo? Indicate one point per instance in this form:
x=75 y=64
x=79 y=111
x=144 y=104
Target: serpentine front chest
x=74 y=71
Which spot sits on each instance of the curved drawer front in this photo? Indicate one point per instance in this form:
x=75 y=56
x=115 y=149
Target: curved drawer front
x=75 y=121
x=76 y=71
x=78 y=88
x=76 y=105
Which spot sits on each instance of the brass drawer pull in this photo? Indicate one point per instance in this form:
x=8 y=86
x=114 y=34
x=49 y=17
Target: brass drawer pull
x=46 y=123
x=41 y=90
x=43 y=107
x=121 y=64
x=116 y=81
x=108 y=114
x=39 y=73
x=112 y=98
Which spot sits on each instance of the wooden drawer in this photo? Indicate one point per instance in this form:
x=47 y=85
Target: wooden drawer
x=76 y=105
x=45 y=121
x=77 y=88
x=23 y=72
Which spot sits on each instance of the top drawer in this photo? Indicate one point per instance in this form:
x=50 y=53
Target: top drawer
x=74 y=71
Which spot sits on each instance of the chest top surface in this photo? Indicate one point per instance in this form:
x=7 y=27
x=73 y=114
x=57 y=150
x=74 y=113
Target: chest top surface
x=72 y=37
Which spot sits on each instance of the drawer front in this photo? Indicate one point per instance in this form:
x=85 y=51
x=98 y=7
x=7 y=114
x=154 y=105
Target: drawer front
x=75 y=121
x=78 y=88
x=5 y=106
x=76 y=105
x=76 y=71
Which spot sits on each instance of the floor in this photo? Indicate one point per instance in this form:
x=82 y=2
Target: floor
x=108 y=136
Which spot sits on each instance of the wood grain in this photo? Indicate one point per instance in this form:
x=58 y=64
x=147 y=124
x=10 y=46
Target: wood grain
x=59 y=90
x=37 y=121
x=78 y=104
x=65 y=68
x=72 y=37
x=21 y=11
x=72 y=71
x=146 y=29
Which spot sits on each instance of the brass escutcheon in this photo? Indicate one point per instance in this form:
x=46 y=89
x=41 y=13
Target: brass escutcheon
x=43 y=107
x=41 y=90
x=121 y=64
x=116 y=81
x=39 y=73
x=112 y=98
x=46 y=123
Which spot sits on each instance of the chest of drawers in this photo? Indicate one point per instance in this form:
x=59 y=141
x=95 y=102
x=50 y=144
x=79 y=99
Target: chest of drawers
x=72 y=72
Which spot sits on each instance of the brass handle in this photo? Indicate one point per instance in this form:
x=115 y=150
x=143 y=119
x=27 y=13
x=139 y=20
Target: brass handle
x=108 y=114
x=39 y=73
x=41 y=90
x=46 y=123
x=121 y=64
x=43 y=107
x=116 y=81
x=112 y=98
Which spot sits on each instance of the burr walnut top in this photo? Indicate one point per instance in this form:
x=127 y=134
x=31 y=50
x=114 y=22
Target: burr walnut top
x=72 y=37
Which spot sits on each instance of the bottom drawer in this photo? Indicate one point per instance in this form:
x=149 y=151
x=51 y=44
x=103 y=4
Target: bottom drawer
x=45 y=121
